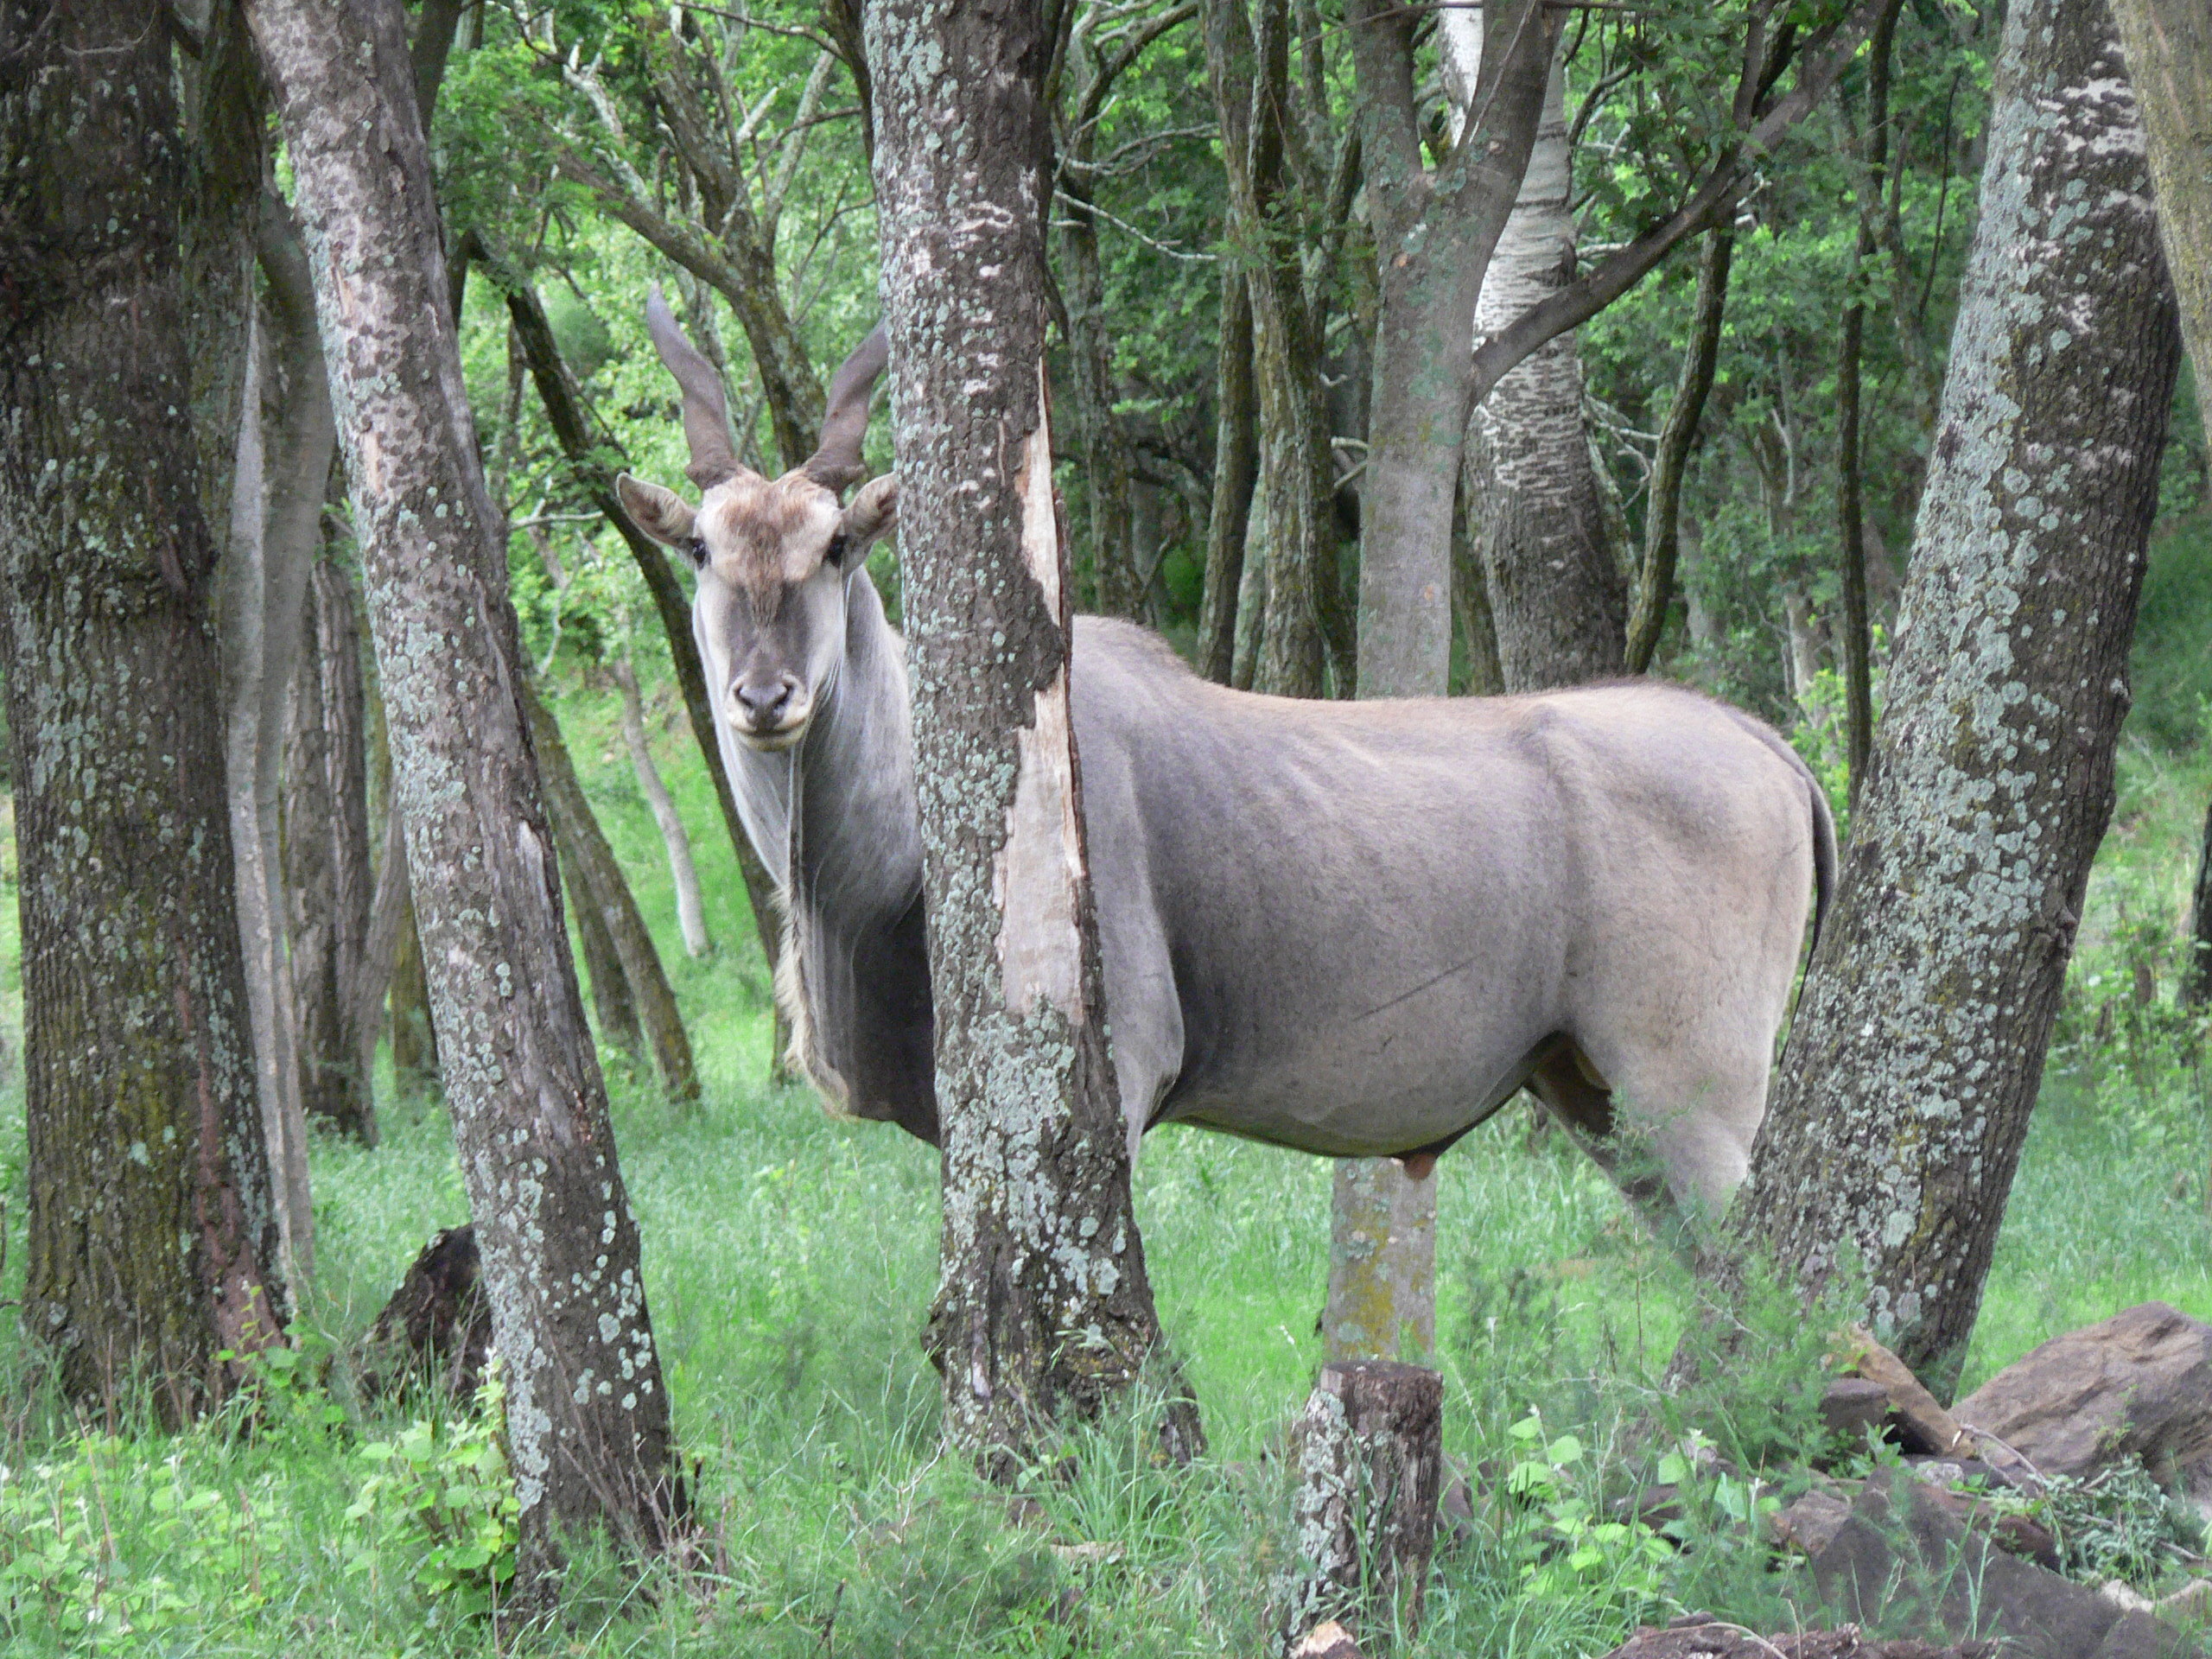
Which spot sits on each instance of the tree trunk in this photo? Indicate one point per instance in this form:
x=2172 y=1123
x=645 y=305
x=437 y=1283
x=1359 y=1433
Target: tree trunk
x=1662 y=519
x=1858 y=624
x=1236 y=467
x=587 y=1426
x=581 y=839
x=1471 y=599
x=153 y=1236
x=414 y=1069
x=1370 y=1464
x=284 y=448
x=226 y=113
x=1040 y=1239
x=1382 y=1296
x=1915 y=1054
x=610 y=986
x=2169 y=45
x=1558 y=599
x=690 y=904
x=326 y=843
x=1434 y=233
x=1248 y=60
x=1090 y=363
x=2195 y=989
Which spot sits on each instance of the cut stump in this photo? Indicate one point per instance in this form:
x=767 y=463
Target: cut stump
x=1370 y=1466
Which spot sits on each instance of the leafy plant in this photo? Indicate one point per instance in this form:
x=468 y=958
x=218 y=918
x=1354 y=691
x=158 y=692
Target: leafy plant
x=2116 y=1524
x=1567 y=1544
x=444 y=1491
x=108 y=1549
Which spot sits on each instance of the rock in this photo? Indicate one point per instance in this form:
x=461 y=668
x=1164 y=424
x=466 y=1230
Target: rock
x=1904 y=1555
x=1809 y=1523
x=1920 y=1424
x=2139 y=1384
x=1326 y=1641
x=1851 y=1405
x=1655 y=1506
x=1703 y=1637
x=436 y=1328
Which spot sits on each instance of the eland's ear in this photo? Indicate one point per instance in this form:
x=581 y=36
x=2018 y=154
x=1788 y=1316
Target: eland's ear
x=661 y=514
x=875 y=509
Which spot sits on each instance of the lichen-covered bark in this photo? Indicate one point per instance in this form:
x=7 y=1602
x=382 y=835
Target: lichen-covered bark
x=153 y=1238
x=1382 y=1296
x=325 y=855
x=1915 y=1055
x=1044 y=1312
x=1558 y=600
x=587 y=1426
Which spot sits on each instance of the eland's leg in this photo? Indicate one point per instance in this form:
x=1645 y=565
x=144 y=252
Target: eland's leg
x=1675 y=1165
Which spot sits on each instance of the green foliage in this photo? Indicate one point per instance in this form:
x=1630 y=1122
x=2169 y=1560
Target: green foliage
x=109 y=1547
x=1568 y=1541
x=2116 y=1524
x=441 y=1494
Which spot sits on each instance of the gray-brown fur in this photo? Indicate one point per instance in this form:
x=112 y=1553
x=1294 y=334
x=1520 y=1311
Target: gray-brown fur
x=1355 y=928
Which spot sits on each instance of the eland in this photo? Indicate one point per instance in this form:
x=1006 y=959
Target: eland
x=1355 y=929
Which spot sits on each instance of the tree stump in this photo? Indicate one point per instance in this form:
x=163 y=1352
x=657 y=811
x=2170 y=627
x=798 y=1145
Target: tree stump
x=1370 y=1465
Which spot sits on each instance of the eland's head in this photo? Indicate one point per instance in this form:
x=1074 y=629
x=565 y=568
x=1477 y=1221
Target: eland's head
x=773 y=555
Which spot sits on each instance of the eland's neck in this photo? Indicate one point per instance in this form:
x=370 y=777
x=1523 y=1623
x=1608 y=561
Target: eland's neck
x=835 y=816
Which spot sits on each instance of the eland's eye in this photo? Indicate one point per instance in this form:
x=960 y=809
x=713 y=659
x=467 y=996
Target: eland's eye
x=697 y=549
x=838 y=546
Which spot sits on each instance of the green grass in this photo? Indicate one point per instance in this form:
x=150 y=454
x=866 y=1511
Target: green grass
x=791 y=1259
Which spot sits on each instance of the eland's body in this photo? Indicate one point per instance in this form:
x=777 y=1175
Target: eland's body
x=1351 y=928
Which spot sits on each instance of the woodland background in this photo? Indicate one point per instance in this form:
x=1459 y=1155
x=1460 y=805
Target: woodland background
x=586 y=151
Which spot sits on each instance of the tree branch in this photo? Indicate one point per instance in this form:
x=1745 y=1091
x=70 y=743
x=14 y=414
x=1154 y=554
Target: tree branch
x=1713 y=201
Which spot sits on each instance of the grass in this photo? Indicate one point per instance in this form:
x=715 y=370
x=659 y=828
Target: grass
x=791 y=1258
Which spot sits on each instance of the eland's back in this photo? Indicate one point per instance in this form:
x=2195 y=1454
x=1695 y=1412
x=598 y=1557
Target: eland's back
x=1356 y=928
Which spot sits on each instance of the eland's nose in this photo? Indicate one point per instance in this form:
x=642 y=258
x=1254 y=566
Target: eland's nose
x=764 y=701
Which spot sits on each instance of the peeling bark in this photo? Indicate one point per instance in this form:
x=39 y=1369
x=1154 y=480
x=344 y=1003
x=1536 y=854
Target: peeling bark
x=587 y=1426
x=1044 y=1312
x=153 y=1237
x=1915 y=1055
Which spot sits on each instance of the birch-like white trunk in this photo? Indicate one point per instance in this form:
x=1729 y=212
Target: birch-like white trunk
x=1558 y=600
